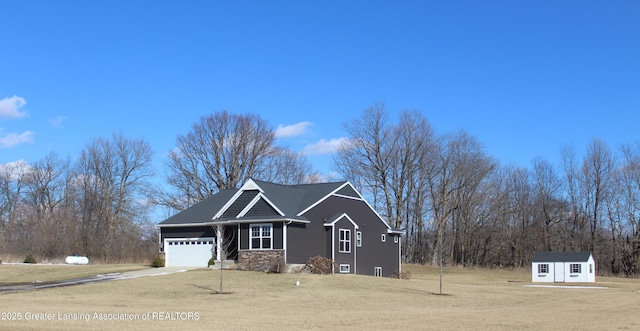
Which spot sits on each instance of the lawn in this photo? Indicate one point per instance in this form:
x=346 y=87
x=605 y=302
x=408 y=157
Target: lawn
x=474 y=300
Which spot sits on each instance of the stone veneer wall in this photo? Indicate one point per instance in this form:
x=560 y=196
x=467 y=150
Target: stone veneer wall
x=260 y=260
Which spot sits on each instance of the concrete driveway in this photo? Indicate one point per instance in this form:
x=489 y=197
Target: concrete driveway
x=96 y=279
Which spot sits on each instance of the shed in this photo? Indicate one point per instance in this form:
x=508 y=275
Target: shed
x=561 y=267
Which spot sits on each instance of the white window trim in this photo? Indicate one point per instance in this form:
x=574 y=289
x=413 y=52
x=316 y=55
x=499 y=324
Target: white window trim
x=358 y=239
x=383 y=237
x=540 y=267
x=396 y=239
x=251 y=237
x=579 y=267
x=345 y=268
x=377 y=271
x=346 y=241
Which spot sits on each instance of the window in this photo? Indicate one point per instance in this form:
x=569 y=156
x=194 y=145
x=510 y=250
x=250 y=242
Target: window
x=260 y=236
x=543 y=268
x=345 y=241
x=377 y=271
x=575 y=268
x=590 y=268
x=345 y=268
x=396 y=239
x=383 y=237
x=358 y=239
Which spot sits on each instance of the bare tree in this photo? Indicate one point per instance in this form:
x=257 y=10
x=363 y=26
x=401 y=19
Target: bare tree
x=366 y=160
x=111 y=181
x=45 y=197
x=225 y=246
x=287 y=167
x=222 y=151
x=12 y=185
x=598 y=167
x=573 y=179
x=549 y=207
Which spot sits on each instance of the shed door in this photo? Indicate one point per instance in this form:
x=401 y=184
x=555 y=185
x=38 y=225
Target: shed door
x=558 y=271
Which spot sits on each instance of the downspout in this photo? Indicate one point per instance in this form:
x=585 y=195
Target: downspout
x=333 y=247
x=285 y=229
x=399 y=255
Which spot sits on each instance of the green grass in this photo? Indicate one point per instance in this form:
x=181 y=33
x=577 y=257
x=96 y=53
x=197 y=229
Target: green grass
x=475 y=300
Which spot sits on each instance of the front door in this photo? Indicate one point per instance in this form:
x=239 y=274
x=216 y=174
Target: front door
x=558 y=271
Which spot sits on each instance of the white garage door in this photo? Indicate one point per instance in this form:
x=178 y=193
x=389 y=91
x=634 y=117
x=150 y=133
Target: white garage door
x=188 y=252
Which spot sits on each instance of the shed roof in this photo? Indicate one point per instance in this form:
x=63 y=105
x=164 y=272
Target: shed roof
x=561 y=257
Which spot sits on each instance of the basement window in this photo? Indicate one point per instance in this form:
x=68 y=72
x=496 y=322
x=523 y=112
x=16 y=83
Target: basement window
x=345 y=268
x=377 y=271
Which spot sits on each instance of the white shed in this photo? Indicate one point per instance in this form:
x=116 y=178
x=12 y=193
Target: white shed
x=561 y=267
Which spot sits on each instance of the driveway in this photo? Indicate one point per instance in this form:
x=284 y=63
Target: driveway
x=95 y=279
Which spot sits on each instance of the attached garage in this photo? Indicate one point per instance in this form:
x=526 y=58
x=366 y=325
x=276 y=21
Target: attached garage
x=192 y=252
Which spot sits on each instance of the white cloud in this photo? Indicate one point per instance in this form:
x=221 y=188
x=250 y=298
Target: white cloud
x=285 y=131
x=325 y=146
x=10 y=107
x=57 y=121
x=13 y=139
x=14 y=170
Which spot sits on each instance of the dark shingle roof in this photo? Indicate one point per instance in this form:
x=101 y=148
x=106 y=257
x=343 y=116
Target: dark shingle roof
x=561 y=257
x=202 y=211
x=289 y=199
x=292 y=199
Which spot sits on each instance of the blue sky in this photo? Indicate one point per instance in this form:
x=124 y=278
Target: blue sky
x=524 y=77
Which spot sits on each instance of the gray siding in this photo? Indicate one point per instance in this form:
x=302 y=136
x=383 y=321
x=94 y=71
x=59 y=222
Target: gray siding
x=261 y=208
x=277 y=235
x=241 y=202
x=344 y=258
x=314 y=239
x=307 y=240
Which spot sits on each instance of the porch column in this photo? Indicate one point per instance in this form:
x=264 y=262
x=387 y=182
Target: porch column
x=219 y=242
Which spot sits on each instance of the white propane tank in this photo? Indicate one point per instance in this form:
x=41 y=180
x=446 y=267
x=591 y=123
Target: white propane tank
x=76 y=260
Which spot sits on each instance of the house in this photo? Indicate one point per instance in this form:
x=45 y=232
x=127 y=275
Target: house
x=560 y=267
x=266 y=222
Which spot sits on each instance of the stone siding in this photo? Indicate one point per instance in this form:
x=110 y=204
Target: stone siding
x=261 y=260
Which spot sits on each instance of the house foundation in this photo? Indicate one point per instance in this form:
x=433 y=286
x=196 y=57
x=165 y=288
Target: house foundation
x=267 y=260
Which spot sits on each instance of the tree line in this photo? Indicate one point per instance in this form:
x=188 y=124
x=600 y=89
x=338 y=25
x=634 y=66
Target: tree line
x=93 y=205
x=456 y=204
x=459 y=206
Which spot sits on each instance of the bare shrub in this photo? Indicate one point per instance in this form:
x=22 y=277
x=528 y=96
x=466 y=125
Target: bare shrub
x=406 y=275
x=277 y=265
x=30 y=259
x=158 y=262
x=319 y=265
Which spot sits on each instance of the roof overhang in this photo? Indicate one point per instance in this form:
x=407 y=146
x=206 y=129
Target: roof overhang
x=259 y=220
x=174 y=225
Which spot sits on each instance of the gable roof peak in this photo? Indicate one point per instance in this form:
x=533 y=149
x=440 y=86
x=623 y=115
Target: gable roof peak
x=250 y=184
